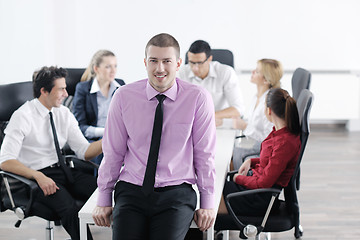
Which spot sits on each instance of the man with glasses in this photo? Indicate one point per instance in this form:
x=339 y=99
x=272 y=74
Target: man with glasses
x=219 y=79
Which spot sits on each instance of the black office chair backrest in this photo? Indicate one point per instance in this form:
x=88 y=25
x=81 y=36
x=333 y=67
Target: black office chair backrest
x=304 y=105
x=224 y=56
x=12 y=96
x=73 y=77
x=301 y=79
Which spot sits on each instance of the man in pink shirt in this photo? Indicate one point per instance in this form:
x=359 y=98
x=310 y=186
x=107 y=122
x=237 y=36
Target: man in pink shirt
x=185 y=156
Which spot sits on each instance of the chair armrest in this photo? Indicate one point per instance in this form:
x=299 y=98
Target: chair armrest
x=275 y=193
x=33 y=188
x=230 y=175
x=240 y=136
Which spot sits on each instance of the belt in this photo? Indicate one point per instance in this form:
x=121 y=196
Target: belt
x=162 y=189
x=159 y=189
x=54 y=165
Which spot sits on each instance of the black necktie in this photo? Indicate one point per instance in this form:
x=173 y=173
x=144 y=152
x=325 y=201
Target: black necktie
x=62 y=164
x=149 y=179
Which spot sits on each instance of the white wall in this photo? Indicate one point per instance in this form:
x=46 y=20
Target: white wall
x=316 y=35
x=321 y=34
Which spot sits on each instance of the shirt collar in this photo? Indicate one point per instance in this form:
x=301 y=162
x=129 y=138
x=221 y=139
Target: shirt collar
x=211 y=74
x=43 y=111
x=96 y=88
x=171 y=93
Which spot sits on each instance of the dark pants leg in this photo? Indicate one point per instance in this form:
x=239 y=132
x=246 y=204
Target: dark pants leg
x=164 y=214
x=63 y=201
x=254 y=204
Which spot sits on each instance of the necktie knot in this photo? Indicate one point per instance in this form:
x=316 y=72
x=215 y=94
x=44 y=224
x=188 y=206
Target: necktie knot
x=160 y=97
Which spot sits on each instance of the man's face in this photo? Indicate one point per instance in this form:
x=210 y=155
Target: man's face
x=56 y=96
x=199 y=64
x=161 y=64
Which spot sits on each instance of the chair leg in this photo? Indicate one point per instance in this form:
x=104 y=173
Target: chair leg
x=226 y=235
x=267 y=236
x=49 y=231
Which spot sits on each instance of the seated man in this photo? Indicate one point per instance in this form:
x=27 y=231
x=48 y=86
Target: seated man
x=219 y=79
x=31 y=148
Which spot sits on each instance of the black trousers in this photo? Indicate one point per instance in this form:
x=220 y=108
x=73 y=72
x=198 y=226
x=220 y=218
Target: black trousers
x=164 y=214
x=65 y=202
x=253 y=205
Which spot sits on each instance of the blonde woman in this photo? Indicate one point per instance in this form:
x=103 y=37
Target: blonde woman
x=93 y=95
x=255 y=125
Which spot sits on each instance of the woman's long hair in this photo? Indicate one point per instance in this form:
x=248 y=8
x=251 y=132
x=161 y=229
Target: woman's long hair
x=284 y=106
x=95 y=61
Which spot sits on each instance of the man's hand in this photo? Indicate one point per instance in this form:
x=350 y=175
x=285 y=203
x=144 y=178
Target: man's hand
x=218 y=122
x=102 y=216
x=47 y=185
x=204 y=218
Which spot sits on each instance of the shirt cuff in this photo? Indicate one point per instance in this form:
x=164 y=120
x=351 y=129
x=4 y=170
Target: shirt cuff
x=104 y=199
x=207 y=201
x=99 y=131
x=94 y=132
x=239 y=178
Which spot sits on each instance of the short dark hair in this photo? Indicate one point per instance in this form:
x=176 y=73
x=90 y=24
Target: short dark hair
x=200 y=46
x=163 y=40
x=45 y=77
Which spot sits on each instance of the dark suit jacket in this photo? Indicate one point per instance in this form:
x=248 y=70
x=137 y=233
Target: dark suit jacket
x=85 y=106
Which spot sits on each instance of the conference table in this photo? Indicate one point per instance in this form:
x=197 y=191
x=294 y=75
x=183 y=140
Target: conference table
x=224 y=148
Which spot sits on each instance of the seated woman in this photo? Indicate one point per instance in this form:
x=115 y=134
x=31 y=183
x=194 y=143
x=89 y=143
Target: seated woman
x=93 y=95
x=277 y=161
x=256 y=127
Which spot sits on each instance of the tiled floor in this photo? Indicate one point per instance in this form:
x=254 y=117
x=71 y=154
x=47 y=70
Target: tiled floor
x=329 y=195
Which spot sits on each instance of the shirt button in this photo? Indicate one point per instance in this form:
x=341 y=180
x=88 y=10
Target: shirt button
x=158 y=160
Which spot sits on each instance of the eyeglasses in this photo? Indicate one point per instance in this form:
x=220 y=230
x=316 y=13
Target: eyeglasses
x=198 y=63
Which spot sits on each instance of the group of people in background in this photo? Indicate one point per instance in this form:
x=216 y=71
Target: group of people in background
x=113 y=124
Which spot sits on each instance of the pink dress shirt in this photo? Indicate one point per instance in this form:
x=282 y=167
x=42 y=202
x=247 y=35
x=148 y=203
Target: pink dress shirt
x=187 y=146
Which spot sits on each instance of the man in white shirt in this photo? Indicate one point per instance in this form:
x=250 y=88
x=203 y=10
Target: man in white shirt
x=29 y=148
x=219 y=79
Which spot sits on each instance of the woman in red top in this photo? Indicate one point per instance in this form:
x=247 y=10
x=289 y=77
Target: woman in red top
x=278 y=156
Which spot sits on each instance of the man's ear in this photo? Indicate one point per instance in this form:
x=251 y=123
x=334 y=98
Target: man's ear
x=210 y=58
x=179 y=61
x=43 y=91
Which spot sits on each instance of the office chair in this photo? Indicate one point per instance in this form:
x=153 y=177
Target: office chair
x=300 y=80
x=221 y=55
x=16 y=192
x=73 y=77
x=288 y=214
